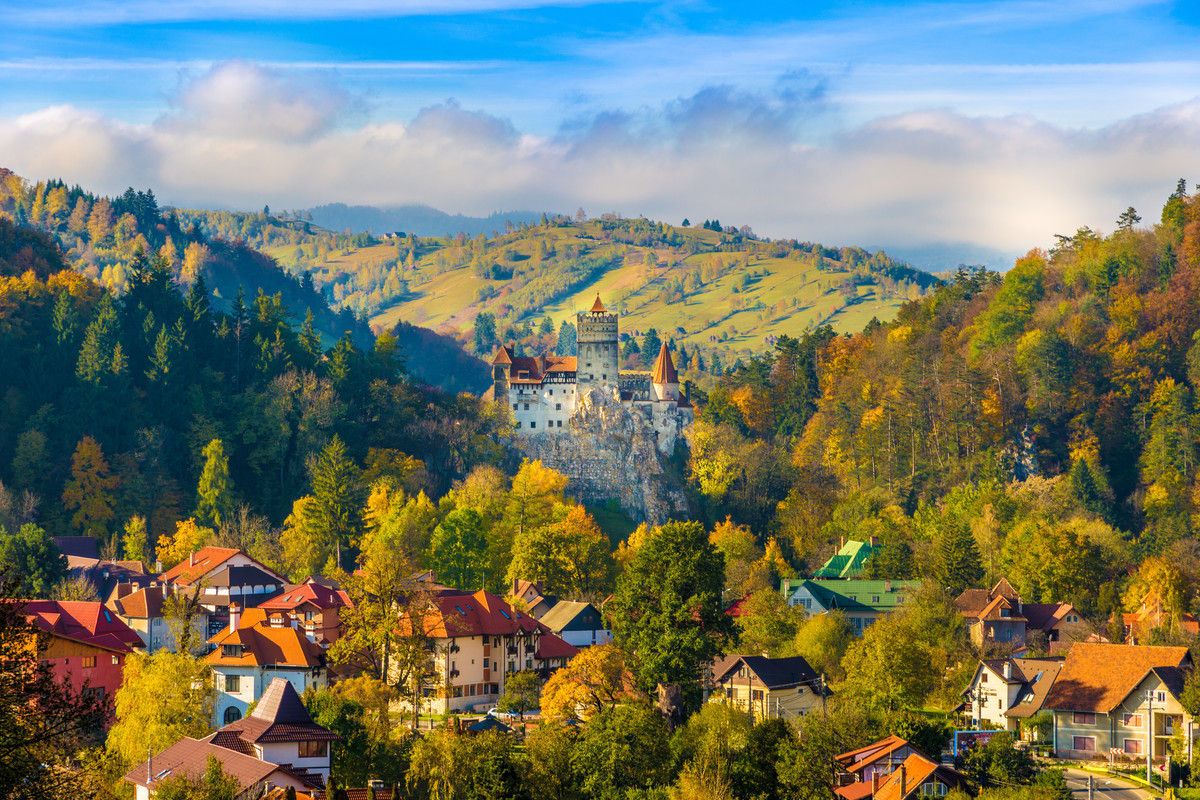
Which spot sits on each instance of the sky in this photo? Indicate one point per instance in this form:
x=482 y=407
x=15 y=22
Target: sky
x=987 y=125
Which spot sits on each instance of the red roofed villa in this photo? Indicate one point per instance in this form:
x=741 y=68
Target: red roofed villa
x=86 y=644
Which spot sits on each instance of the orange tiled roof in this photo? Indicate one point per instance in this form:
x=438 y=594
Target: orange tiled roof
x=88 y=622
x=1098 y=677
x=597 y=307
x=456 y=614
x=916 y=770
x=198 y=564
x=855 y=760
x=264 y=645
x=664 y=367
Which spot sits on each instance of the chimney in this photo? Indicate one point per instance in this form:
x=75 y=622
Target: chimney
x=903 y=781
x=149 y=765
x=875 y=782
x=1008 y=670
x=514 y=591
x=874 y=541
x=192 y=559
x=235 y=615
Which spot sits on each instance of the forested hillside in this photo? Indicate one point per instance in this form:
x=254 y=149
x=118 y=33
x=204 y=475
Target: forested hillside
x=713 y=290
x=1040 y=425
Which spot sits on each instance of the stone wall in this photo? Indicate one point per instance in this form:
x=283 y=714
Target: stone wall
x=610 y=453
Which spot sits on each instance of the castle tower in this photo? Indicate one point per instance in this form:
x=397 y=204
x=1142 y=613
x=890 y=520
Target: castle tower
x=596 y=341
x=501 y=368
x=664 y=380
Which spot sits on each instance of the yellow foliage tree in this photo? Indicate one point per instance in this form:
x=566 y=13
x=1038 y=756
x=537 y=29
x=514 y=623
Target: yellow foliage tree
x=591 y=682
x=89 y=492
x=571 y=556
x=188 y=538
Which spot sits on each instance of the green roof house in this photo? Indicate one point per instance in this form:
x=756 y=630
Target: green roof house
x=861 y=601
x=848 y=562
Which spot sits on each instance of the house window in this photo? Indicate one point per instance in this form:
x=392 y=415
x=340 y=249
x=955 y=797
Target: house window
x=558 y=406
x=232 y=715
x=1084 y=744
x=983 y=678
x=89 y=661
x=231 y=650
x=1133 y=747
x=756 y=695
x=533 y=424
x=529 y=663
x=1132 y=720
x=933 y=789
x=512 y=666
x=1161 y=697
x=94 y=693
x=875 y=598
x=313 y=749
x=487 y=663
x=1084 y=718
x=495 y=688
x=116 y=660
x=233 y=683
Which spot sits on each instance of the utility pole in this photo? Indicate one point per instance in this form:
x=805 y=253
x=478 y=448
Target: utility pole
x=1091 y=787
x=1149 y=735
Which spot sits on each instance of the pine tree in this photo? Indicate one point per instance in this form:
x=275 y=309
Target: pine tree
x=89 y=492
x=100 y=344
x=337 y=496
x=959 y=563
x=214 y=503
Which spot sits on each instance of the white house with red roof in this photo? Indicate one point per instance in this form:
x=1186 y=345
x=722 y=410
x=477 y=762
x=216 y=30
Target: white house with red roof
x=85 y=643
x=314 y=606
x=477 y=641
x=224 y=575
x=277 y=747
x=543 y=391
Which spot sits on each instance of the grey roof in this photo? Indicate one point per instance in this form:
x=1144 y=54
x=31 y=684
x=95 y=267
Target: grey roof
x=774 y=673
x=564 y=612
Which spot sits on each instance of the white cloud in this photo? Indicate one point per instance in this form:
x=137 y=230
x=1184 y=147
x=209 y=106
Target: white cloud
x=240 y=135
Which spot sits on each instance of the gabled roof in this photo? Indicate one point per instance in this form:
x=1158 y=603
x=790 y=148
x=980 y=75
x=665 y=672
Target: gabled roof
x=189 y=757
x=264 y=645
x=198 y=564
x=1098 y=677
x=994 y=611
x=973 y=601
x=309 y=592
x=859 y=595
x=916 y=769
x=847 y=562
x=664 y=368
x=454 y=614
x=564 y=613
x=855 y=760
x=773 y=673
x=145 y=603
x=87 y=622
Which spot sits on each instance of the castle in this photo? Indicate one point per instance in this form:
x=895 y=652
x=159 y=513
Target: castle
x=544 y=390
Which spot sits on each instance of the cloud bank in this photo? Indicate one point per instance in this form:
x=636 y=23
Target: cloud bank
x=242 y=135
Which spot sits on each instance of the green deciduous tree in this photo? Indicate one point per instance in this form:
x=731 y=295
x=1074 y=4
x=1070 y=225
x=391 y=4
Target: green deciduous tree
x=458 y=549
x=667 y=610
x=619 y=750
x=164 y=697
x=30 y=556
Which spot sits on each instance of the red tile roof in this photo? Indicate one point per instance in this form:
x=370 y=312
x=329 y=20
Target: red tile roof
x=855 y=760
x=597 y=307
x=1098 y=677
x=279 y=716
x=264 y=645
x=319 y=596
x=484 y=614
x=916 y=769
x=189 y=757
x=82 y=621
x=198 y=564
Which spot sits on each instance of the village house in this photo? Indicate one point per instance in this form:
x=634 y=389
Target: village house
x=253 y=651
x=892 y=769
x=223 y=576
x=768 y=687
x=861 y=601
x=576 y=623
x=1153 y=615
x=144 y=610
x=1007 y=692
x=918 y=776
x=864 y=765
x=476 y=642
x=530 y=596
x=1119 y=698
x=997 y=618
x=314 y=605
x=85 y=644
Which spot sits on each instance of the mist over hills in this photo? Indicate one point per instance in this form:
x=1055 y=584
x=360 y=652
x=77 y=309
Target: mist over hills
x=418 y=219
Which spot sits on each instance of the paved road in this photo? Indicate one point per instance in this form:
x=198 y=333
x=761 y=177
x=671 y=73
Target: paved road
x=1106 y=788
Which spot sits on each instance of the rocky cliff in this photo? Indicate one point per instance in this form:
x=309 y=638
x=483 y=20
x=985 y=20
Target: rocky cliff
x=609 y=453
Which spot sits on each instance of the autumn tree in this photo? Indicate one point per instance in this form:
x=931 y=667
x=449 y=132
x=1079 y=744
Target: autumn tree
x=522 y=693
x=570 y=557
x=89 y=493
x=133 y=540
x=188 y=538
x=591 y=682
x=164 y=696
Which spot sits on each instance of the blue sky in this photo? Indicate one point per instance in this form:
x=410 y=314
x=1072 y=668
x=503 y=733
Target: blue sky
x=990 y=123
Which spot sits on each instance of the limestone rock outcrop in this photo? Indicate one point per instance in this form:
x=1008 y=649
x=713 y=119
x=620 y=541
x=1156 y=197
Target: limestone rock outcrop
x=609 y=452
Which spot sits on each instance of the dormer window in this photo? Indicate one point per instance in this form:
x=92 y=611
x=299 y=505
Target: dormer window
x=231 y=651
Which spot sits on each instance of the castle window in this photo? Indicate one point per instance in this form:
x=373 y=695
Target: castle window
x=558 y=406
x=527 y=406
x=560 y=423
x=532 y=424
x=514 y=406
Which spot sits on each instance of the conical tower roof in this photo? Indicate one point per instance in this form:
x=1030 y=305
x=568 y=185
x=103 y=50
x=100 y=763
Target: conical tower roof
x=598 y=307
x=280 y=703
x=664 y=367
